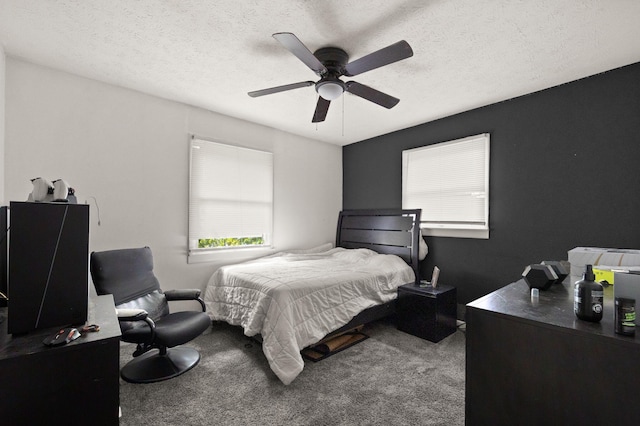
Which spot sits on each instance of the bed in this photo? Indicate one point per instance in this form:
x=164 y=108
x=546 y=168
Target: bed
x=293 y=299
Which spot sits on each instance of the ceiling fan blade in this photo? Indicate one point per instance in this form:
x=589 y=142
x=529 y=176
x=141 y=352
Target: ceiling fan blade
x=295 y=46
x=277 y=89
x=372 y=95
x=321 y=110
x=388 y=55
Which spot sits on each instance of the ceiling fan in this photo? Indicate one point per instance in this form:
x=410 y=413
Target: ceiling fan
x=331 y=63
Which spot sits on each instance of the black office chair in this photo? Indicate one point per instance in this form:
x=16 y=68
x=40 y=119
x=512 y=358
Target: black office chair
x=144 y=315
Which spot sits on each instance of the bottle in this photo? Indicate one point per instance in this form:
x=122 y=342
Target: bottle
x=588 y=297
x=625 y=316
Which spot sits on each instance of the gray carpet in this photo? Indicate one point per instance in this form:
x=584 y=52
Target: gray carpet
x=392 y=378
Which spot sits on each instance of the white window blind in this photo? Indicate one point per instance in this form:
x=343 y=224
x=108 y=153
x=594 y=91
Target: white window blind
x=449 y=181
x=230 y=194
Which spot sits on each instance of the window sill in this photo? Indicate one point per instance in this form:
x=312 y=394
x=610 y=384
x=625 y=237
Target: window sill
x=456 y=233
x=230 y=255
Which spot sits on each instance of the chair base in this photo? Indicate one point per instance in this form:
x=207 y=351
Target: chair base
x=153 y=367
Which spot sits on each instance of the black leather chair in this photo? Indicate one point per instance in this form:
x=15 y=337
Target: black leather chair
x=144 y=315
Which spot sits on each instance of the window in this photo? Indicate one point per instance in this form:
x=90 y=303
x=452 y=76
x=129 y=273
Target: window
x=230 y=197
x=449 y=181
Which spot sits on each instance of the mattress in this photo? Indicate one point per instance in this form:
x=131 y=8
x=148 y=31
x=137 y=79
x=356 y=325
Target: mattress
x=294 y=299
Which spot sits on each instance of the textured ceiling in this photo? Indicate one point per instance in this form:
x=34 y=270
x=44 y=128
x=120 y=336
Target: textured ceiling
x=467 y=53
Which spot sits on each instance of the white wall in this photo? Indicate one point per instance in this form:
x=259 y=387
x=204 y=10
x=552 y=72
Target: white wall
x=130 y=151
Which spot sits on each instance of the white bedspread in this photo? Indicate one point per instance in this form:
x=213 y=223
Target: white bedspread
x=294 y=300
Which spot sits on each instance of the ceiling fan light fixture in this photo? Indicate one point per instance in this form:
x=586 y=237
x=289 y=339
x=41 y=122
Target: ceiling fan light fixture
x=330 y=90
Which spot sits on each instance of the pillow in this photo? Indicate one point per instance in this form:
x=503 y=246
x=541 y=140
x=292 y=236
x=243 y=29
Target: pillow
x=318 y=249
x=423 y=249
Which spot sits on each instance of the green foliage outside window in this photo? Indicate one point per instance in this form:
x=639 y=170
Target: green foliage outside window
x=230 y=242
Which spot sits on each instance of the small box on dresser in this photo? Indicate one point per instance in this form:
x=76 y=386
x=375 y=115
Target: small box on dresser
x=427 y=312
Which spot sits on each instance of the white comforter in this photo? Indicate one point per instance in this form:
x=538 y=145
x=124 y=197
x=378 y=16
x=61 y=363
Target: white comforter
x=293 y=300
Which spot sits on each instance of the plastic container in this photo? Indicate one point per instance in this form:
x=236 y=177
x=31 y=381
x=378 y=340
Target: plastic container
x=625 y=316
x=588 y=297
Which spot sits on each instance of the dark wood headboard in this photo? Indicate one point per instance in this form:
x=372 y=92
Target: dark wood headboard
x=384 y=231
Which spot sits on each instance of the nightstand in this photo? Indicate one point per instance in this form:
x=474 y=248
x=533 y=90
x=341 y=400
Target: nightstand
x=426 y=312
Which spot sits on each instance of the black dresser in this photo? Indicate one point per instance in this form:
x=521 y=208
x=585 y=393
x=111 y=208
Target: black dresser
x=532 y=362
x=74 y=384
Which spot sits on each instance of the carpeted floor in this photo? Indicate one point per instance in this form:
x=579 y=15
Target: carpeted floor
x=392 y=378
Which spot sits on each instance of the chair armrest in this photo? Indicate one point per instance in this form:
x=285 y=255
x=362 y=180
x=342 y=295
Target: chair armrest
x=137 y=315
x=131 y=314
x=182 y=294
x=185 y=294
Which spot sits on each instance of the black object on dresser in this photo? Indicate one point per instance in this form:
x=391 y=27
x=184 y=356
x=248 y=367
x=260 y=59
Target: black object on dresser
x=531 y=361
x=426 y=312
x=74 y=384
x=48 y=265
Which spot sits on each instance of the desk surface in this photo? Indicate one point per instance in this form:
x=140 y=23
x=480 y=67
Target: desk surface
x=100 y=312
x=554 y=308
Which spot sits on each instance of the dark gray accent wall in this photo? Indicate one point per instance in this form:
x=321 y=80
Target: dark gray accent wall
x=564 y=173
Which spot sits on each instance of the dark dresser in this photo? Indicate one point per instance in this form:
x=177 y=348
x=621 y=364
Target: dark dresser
x=74 y=384
x=532 y=362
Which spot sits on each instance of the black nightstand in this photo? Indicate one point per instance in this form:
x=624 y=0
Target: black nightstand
x=427 y=312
